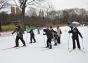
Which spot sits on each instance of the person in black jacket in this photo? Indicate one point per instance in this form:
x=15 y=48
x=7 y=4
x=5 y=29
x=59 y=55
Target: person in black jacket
x=20 y=33
x=75 y=37
x=32 y=36
x=54 y=34
x=49 y=35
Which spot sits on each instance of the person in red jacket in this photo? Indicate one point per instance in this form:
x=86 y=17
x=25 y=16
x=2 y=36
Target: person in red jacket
x=59 y=34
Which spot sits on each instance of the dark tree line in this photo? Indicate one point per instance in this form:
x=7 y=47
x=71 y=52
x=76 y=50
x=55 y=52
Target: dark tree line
x=23 y=4
x=69 y=16
x=7 y=19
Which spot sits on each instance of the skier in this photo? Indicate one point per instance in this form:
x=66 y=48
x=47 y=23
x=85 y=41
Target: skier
x=20 y=33
x=32 y=36
x=55 y=38
x=38 y=29
x=59 y=34
x=49 y=35
x=75 y=37
x=54 y=33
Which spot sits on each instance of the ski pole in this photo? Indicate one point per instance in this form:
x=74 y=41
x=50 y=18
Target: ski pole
x=68 y=41
x=44 y=38
x=82 y=44
x=26 y=35
x=13 y=38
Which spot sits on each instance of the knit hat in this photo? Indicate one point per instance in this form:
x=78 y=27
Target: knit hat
x=58 y=26
x=18 y=26
x=50 y=26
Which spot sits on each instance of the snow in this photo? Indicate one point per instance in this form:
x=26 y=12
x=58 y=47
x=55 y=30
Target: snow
x=36 y=53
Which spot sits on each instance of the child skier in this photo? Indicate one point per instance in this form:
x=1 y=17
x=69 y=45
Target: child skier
x=38 y=29
x=75 y=37
x=54 y=34
x=49 y=35
x=19 y=32
x=32 y=36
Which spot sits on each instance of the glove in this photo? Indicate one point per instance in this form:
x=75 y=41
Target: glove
x=12 y=33
x=44 y=34
x=82 y=37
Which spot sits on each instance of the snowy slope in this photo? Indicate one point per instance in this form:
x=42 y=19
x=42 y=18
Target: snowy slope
x=36 y=53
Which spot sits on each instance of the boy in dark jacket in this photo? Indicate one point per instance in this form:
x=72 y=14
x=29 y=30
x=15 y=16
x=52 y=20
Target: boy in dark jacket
x=19 y=32
x=75 y=34
x=54 y=34
x=49 y=35
x=32 y=36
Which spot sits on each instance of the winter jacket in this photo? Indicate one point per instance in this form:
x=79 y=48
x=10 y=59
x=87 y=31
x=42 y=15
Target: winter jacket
x=75 y=33
x=19 y=32
x=59 y=32
x=48 y=33
x=55 y=35
x=31 y=32
x=53 y=32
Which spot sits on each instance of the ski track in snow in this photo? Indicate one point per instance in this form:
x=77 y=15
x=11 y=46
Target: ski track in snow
x=37 y=53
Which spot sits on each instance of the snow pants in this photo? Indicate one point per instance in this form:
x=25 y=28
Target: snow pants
x=58 y=40
x=32 y=37
x=49 y=43
x=74 y=41
x=17 y=39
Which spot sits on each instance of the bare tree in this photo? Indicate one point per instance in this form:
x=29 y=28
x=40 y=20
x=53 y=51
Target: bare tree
x=49 y=7
x=3 y=4
x=23 y=4
x=31 y=12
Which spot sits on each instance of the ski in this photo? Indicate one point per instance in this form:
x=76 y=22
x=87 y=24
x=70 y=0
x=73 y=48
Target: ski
x=82 y=50
x=79 y=50
x=18 y=47
x=71 y=50
x=13 y=47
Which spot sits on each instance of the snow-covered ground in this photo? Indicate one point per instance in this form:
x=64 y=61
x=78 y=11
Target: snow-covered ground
x=36 y=53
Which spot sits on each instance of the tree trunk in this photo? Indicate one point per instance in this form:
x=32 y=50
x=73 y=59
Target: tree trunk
x=0 y=27
x=23 y=14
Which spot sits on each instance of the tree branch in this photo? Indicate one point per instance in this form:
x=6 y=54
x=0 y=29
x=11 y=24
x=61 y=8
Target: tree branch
x=3 y=4
x=30 y=3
